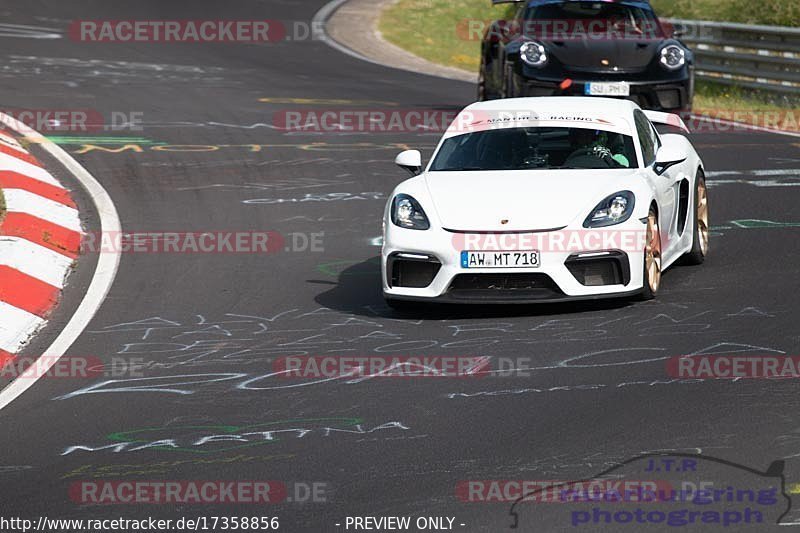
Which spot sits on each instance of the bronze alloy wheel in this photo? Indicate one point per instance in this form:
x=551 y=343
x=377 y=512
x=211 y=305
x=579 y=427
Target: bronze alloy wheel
x=652 y=253
x=702 y=216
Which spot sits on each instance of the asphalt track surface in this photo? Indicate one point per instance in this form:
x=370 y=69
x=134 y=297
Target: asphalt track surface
x=599 y=393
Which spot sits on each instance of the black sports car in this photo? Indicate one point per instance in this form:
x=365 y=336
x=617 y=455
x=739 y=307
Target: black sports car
x=615 y=48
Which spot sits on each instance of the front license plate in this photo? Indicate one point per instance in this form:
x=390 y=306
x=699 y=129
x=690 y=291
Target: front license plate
x=621 y=88
x=512 y=259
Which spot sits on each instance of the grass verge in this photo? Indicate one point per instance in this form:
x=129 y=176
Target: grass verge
x=437 y=31
x=431 y=28
x=773 y=13
x=748 y=106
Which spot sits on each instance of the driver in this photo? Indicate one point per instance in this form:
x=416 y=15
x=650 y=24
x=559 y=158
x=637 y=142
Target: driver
x=596 y=143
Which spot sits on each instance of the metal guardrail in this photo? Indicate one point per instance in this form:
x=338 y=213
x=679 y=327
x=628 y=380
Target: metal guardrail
x=766 y=58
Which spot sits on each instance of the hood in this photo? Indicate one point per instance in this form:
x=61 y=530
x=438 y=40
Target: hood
x=529 y=199
x=622 y=54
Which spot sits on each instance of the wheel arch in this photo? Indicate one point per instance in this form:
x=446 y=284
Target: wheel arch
x=654 y=205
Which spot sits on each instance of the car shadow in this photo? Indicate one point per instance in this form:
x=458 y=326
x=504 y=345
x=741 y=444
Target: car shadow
x=358 y=291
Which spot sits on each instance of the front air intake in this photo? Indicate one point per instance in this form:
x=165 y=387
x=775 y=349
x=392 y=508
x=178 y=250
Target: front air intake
x=413 y=271
x=598 y=269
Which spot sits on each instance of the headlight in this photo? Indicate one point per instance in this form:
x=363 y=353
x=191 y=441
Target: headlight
x=673 y=57
x=533 y=53
x=615 y=209
x=407 y=213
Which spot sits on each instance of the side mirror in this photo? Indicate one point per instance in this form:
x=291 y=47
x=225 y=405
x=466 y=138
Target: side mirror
x=410 y=160
x=668 y=156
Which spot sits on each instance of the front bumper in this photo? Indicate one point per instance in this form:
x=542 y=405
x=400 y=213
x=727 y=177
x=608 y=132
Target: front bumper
x=666 y=92
x=441 y=277
x=656 y=96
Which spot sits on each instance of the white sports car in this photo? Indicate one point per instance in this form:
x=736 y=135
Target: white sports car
x=545 y=199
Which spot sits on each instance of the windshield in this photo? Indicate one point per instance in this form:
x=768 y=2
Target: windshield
x=612 y=16
x=536 y=148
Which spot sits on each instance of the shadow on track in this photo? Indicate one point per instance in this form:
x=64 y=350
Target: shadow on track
x=358 y=292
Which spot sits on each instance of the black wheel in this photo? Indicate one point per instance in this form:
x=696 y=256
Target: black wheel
x=483 y=94
x=508 y=82
x=699 y=250
x=482 y=83
x=652 y=258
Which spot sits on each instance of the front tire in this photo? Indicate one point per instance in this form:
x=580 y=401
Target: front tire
x=700 y=234
x=651 y=276
x=508 y=82
x=483 y=93
x=482 y=82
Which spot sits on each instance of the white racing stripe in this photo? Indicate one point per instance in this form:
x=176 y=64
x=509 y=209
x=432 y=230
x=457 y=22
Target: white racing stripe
x=794 y=172
x=104 y=274
x=16 y=326
x=34 y=260
x=22 y=201
x=8 y=162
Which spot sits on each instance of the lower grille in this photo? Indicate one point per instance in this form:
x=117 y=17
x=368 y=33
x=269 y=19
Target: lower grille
x=594 y=271
x=504 y=286
x=412 y=273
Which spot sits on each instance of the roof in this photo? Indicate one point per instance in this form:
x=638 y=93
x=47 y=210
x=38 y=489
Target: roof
x=638 y=3
x=533 y=3
x=559 y=103
x=547 y=111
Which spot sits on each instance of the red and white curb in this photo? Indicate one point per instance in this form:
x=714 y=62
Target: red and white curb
x=40 y=238
x=60 y=239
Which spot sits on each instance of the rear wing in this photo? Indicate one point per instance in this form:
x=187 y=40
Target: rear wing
x=668 y=119
x=496 y=2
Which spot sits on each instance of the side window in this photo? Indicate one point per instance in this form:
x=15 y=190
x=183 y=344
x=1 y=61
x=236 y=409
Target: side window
x=647 y=138
x=656 y=137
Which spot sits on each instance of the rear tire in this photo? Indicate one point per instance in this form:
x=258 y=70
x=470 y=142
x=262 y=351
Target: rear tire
x=700 y=231
x=651 y=268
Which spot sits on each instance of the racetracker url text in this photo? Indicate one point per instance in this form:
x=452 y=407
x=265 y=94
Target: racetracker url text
x=200 y=523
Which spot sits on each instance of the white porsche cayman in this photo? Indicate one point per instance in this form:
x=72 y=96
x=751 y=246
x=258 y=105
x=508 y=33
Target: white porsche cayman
x=545 y=199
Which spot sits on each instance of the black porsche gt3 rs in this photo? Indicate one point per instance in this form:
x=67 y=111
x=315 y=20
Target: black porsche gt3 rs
x=611 y=48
